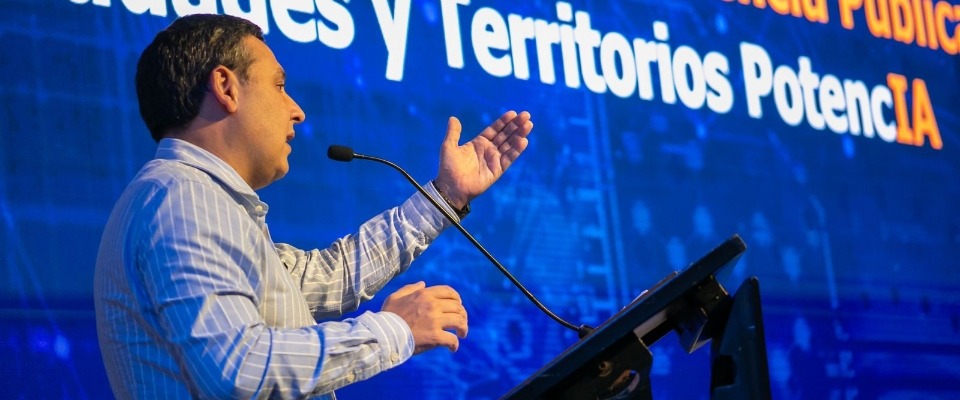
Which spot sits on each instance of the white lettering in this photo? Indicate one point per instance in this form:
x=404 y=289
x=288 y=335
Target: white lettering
x=832 y=102
x=304 y=32
x=588 y=39
x=603 y=61
x=858 y=103
x=824 y=102
x=338 y=15
x=757 y=76
x=489 y=32
x=156 y=7
x=394 y=28
x=881 y=97
x=257 y=13
x=692 y=91
x=715 y=70
x=521 y=29
x=186 y=7
x=548 y=34
x=667 y=92
x=644 y=54
x=788 y=95
x=568 y=47
x=451 y=31
x=810 y=82
x=615 y=50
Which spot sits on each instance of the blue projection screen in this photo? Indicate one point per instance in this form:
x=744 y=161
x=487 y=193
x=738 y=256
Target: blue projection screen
x=823 y=132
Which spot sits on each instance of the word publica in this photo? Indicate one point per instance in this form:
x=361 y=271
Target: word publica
x=928 y=24
x=843 y=107
x=604 y=62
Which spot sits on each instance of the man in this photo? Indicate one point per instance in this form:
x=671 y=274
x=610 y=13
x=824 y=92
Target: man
x=194 y=299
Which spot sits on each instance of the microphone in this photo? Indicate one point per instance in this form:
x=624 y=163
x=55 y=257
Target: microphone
x=346 y=154
x=340 y=153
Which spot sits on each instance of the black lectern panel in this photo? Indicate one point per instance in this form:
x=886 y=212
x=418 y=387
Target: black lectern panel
x=615 y=355
x=739 y=356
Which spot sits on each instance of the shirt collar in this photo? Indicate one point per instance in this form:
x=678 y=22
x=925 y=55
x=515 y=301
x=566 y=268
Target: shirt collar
x=195 y=156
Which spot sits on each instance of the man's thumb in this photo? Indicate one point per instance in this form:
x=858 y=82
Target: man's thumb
x=453 y=132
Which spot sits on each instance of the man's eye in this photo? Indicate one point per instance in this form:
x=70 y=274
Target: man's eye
x=281 y=86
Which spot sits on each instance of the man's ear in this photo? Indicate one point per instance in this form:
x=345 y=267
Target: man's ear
x=224 y=85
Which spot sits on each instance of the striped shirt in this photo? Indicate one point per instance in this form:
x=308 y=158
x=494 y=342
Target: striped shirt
x=194 y=300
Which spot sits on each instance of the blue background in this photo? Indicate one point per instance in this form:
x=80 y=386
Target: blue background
x=855 y=240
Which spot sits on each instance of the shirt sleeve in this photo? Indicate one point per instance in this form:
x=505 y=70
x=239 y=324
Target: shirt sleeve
x=337 y=279
x=200 y=260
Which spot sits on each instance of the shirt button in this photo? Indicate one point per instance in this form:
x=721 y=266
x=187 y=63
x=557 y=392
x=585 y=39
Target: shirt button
x=351 y=377
x=259 y=208
x=394 y=357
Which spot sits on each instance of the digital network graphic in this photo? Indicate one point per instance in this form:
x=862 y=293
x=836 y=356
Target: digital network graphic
x=823 y=132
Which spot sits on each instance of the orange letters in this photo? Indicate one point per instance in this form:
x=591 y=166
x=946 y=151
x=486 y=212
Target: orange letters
x=921 y=22
x=924 y=122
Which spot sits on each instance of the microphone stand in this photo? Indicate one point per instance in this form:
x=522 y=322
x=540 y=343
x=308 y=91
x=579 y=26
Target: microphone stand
x=346 y=154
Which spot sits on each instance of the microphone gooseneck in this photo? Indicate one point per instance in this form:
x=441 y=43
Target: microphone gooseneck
x=346 y=154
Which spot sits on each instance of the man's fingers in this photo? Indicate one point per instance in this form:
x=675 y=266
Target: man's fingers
x=511 y=149
x=527 y=128
x=443 y=292
x=497 y=126
x=407 y=289
x=504 y=119
x=517 y=143
x=458 y=323
x=518 y=126
x=449 y=306
x=448 y=340
x=509 y=125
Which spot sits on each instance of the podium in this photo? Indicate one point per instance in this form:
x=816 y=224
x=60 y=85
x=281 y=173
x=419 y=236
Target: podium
x=614 y=360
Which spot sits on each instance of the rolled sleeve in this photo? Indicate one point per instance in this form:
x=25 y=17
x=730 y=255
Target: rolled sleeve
x=337 y=279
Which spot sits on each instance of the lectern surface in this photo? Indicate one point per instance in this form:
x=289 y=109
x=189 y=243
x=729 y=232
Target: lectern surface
x=647 y=307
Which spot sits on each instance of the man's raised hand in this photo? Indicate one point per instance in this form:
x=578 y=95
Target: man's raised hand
x=467 y=171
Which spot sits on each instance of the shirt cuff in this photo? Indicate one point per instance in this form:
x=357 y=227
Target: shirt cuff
x=432 y=210
x=394 y=335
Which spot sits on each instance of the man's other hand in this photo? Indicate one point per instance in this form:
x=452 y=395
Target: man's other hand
x=431 y=312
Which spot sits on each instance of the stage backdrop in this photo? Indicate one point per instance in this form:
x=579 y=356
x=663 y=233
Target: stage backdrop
x=824 y=132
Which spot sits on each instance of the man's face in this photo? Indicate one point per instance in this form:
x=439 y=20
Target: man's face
x=267 y=115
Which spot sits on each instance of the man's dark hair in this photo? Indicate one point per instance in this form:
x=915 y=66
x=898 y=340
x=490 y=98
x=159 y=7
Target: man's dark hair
x=173 y=70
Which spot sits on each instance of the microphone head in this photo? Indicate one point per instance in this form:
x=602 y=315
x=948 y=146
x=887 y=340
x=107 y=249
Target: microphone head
x=340 y=153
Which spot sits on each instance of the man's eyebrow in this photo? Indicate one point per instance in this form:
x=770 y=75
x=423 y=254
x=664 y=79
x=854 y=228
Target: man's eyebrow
x=281 y=74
